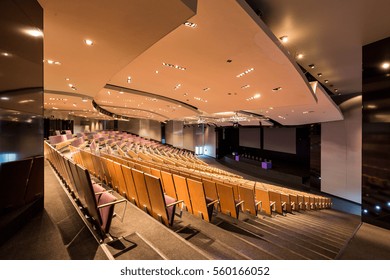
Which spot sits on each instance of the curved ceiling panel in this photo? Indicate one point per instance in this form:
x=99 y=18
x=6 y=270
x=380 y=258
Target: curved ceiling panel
x=229 y=61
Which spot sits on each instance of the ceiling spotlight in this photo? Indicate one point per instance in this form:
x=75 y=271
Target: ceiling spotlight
x=5 y=54
x=128 y=79
x=336 y=90
x=326 y=81
x=156 y=72
x=84 y=100
x=300 y=56
x=311 y=66
x=284 y=39
x=385 y=65
x=121 y=92
x=88 y=42
x=319 y=74
x=4 y=98
x=67 y=79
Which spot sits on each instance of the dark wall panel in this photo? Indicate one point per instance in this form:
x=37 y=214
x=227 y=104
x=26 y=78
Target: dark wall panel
x=21 y=113
x=376 y=134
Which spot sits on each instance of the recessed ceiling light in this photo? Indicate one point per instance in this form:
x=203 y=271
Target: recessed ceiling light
x=319 y=74
x=174 y=66
x=311 y=66
x=34 y=32
x=121 y=92
x=6 y=54
x=50 y=61
x=284 y=39
x=277 y=89
x=245 y=72
x=206 y=89
x=4 y=98
x=385 y=65
x=55 y=108
x=371 y=106
x=245 y=86
x=300 y=56
x=336 y=90
x=67 y=79
x=156 y=72
x=84 y=100
x=190 y=24
x=109 y=92
x=88 y=42
x=326 y=81
x=74 y=105
x=177 y=87
x=271 y=108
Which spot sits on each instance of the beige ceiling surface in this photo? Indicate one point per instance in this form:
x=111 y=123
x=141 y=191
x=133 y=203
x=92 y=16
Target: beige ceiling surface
x=134 y=39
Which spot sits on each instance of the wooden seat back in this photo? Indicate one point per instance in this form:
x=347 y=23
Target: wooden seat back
x=142 y=191
x=157 y=199
x=120 y=179
x=227 y=202
x=277 y=198
x=294 y=202
x=168 y=184
x=199 y=201
x=247 y=194
x=263 y=196
x=131 y=191
x=210 y=189
x=182 y=191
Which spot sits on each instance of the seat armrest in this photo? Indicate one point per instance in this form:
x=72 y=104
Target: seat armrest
x=213 y=202
x=239 y=203
x=174 y=203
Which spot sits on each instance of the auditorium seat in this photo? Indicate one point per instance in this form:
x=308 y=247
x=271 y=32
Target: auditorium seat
x=228 y=204
x=163 y=206
x=142 y=191
x=182 y=191
x=131 y=193
x=250 y=204
x=168 y=184
x=202 y=205
x=267 y=206
x=120 y=179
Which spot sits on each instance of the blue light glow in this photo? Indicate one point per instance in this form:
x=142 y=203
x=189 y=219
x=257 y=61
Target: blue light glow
x=377 y=207
x=365 y=211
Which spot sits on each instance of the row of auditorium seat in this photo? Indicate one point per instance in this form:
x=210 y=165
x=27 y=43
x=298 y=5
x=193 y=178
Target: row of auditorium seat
x=154 y=191
x=96 y=203
x=232 y=197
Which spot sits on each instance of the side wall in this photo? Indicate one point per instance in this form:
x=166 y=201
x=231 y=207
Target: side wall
x=341 y=158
